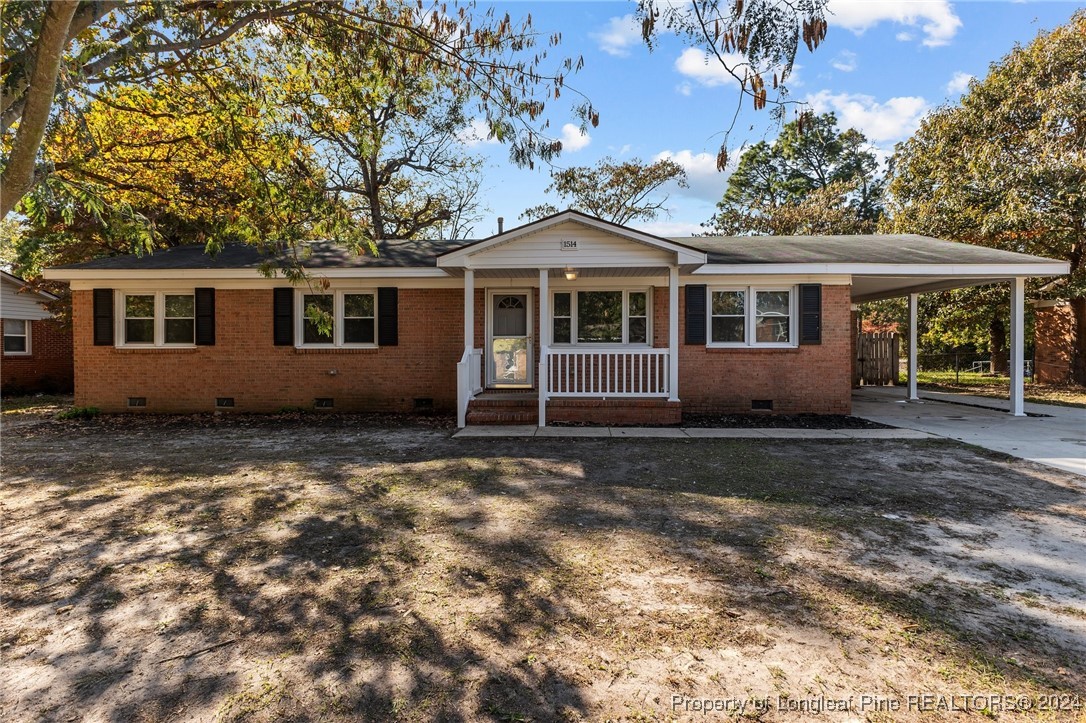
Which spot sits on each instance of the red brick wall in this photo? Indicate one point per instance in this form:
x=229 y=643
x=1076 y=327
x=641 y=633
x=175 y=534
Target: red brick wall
x=812 y=378
x=244 y=363
x=1054 y=343
x=48 y=367
x=261 y=377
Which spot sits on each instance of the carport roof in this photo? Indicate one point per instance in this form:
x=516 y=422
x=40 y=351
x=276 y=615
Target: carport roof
x=850 y=249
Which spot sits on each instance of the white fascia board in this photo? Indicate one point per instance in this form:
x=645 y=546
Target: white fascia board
x=243 y=274
x=1054 y=268
x=748 y=279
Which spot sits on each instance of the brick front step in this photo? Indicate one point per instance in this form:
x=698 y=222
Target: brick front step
x=611 y=412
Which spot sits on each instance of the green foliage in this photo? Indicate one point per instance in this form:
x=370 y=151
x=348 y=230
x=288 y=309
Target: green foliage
x=79 y=413
x=615 y=191
x=1005 y=169
x=813 y=179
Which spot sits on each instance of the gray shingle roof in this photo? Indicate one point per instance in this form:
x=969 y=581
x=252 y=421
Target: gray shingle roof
x=854 y=249
x=323 y=255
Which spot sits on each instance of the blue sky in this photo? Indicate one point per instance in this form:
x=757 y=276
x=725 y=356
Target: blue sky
x=883 y=65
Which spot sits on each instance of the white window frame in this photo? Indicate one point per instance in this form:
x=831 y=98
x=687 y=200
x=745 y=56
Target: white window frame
x=749 y=332
x=573 y=318
x=337 y=314
x=26 y=334
x=159 y=319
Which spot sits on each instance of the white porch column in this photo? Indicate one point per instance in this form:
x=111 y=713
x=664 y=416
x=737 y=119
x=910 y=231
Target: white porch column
x=469 y=309
x=543 y=378
x=914 y=300
x=673 y=332
x=1018 y=343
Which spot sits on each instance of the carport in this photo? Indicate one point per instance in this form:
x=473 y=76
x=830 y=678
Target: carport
x=894 y=266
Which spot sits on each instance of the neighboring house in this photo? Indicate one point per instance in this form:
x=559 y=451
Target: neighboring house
x=37 y=353
x=567 y=318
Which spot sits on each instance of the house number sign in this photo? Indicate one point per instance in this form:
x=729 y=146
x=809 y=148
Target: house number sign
x=568 y=244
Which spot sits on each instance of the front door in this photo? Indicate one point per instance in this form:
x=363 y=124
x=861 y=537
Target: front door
x=510 y=359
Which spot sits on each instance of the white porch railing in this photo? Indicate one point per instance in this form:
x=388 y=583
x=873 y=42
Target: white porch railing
x=469 y=382
x=612 y=373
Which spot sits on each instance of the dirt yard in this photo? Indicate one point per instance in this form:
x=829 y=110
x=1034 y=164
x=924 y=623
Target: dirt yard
x=328 y=569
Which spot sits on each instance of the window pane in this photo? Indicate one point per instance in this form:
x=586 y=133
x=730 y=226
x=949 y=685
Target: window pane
x=139 y=331
x=16 y=344
x=599 y=317
x=15 y=326
x=180 y=306
x=637 y=303
x=562 y=328
x=136 y=307
x=639 y=330
x=358 y=305
x=180 y=331
x=729 y=329
x=358 y=331
x=561 y=304
x=772 y=329
x=728 y=302
x=772 y=302
x=322 y=303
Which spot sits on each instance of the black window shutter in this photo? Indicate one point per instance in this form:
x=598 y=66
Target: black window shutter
x=810 y=313
x=103 y=317
x=283 y=312
x=388 y=316
x=695 y=313
x=205 y=317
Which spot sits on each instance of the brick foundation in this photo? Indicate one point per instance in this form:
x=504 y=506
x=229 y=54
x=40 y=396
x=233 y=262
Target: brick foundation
x=48 y=367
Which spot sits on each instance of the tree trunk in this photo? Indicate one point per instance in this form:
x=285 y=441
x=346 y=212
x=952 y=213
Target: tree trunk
x=997 y=346
x=1078 y=337
x=18 y=177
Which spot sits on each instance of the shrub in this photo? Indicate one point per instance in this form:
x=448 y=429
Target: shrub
x=80 y=413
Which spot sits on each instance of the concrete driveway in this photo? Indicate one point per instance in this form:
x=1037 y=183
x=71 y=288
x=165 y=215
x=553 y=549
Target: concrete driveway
x=1057 y=439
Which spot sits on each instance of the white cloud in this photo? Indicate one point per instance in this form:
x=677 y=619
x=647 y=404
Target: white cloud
x=959 y=83
x=708 y=71
x=845 y=61
x=669 y=229
x=619 y=35
x=476 y=133
x=684 y=88
x=573 y=139
x=893 y=120
x=705 y=181
x=935 y=17
x=904 y=37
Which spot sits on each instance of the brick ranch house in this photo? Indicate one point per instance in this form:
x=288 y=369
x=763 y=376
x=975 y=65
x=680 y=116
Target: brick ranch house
x=567 y=318
x=37 y=354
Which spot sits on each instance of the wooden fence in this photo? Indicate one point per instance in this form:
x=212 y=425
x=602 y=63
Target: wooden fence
x=877 y=358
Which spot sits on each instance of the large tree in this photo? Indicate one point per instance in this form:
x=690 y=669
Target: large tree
x=619 y=192
x=387 y=132
x=63 y=53
x=814 y=178
x=1007 y=169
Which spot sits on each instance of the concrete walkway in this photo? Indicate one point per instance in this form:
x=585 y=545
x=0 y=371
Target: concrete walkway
x=1057 y=439
x=497 y=430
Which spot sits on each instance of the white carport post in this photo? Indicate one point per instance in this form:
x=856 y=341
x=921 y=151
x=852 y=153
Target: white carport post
x=914 y=302
x=673 y=332
x=1018 y=343
x=543 y=378
x=469 y=311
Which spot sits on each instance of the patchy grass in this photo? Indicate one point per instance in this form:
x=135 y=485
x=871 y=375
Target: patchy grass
x=35 y=404
x=985 y=385
x=250 y=571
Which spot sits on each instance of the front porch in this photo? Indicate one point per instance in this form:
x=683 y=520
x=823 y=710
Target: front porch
x=521 y=407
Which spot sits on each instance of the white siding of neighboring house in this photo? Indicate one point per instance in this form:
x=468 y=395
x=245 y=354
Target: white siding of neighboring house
x=14 y=305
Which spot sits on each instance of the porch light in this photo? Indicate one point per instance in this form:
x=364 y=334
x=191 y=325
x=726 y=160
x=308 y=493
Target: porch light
x=571 y=273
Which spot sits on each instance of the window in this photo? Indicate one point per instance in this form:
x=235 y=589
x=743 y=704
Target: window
x=600 y=317
x=16 y=336
x=751 y=316
x=353 y=315
x=158 y=319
